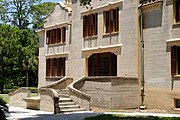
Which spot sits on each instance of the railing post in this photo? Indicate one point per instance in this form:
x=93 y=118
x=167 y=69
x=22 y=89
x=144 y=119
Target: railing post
x=56 y=105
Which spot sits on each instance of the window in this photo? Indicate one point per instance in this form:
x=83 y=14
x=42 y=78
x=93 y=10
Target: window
x=111 y=20
x=177 y=103
x=177 y=4
x=103 y=64
x=90 y=23
x=55 y=67
x=175 y=60
x=56 y=36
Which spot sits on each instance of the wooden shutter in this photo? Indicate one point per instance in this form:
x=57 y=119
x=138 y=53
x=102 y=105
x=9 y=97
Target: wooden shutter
x=63 y=34
x=48 y=63
x=47 y=37
x=95 y=23
x=111 y=21
x=85 y=26
x=173 y=60
x=178 y=11
x=53 y=68
x=51 y=37
x=117 y=20
x=58 y=35
x=58 y=67
x=63 y=66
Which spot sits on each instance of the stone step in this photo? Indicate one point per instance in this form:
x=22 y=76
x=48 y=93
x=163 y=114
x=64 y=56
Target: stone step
x=69 y=107
x=72 y=110
x=66 y=103
x=63 y=95
x=64 y=99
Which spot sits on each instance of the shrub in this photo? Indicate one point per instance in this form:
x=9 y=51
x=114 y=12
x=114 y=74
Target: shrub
x=34 y=89
x=3 y=109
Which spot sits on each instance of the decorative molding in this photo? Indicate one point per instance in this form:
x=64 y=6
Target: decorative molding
x=152 y=4
x=116 y=49
x=107 y=6
x=57 y=55
x=57 y=25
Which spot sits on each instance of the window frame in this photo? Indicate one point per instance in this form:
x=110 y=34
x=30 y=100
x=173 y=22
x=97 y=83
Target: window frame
x=175 y=61
x=111 y=20
x=176 y=20
x=55 y=67
x=56 y=36
x=90 y=25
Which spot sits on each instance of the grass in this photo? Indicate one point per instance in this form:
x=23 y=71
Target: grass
x=5 y=97
x=122 y=117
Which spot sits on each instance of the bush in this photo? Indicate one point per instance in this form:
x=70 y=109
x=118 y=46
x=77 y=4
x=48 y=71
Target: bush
x=6 y=91
x=3 y=109
x=34 y=89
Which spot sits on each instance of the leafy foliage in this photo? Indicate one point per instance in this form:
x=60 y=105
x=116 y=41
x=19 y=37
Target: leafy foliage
x=40 y=12
x=17 y=48
x=17 y=12
x=3 y=109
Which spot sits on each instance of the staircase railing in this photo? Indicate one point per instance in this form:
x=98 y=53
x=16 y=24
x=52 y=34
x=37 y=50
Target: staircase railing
x=60 y=84
x=78 y=96
x=49 y=100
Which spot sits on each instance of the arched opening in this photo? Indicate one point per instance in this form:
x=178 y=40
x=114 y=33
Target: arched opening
x=102 y=64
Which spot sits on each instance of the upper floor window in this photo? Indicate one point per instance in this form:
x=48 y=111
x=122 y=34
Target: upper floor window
x=111 y=20
x=55 y=67
x=175 y=60
x=56 y=36
x=90 y=23
x=177 y=4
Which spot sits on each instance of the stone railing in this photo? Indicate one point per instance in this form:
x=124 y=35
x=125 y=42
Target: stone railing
x=60 y=84
x=49 y=100
x=16 y=98
x=78 y=96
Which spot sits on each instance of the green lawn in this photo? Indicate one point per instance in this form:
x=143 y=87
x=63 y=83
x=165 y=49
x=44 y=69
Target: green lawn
x=5 y=97
x=121 y=117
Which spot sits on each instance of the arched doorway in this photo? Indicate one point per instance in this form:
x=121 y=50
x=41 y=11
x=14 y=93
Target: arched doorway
x=102 y=64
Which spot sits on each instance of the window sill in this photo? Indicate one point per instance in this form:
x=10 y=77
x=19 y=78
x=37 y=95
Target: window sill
x=56 y=44
x=177 y=109
x=176 y=25
x=90 y=37
x=176 y=76
x=109 y=34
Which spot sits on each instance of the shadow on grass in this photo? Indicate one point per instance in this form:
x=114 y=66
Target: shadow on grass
x=120 y=117
x=71 y=116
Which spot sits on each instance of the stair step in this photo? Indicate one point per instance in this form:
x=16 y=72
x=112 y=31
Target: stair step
x=64 y=99
x=69 y=107
x=66 y=103
x=72 y=110
x=63 y=95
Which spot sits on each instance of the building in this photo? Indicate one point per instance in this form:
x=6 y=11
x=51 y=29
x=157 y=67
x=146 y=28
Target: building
x=102 y=44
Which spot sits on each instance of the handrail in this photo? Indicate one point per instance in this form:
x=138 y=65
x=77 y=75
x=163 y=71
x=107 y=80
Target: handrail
x=73 y=88
x=55 y=84
x=25 y=89
x=54 y=96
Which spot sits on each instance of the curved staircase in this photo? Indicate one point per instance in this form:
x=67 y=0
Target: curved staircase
x=66 y=104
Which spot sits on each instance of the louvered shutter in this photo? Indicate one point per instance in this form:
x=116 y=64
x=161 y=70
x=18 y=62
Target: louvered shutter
x=63 y=34
x=84 y=26
x=58 y=36
x=178 y=11
x=95 y=24
x=47 y=37
x=117 y=19
x=173 y=60
x=47 y=67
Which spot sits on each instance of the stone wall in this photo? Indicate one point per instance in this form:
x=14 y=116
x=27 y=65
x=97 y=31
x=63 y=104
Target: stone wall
x=112 y=92
x=16 y=98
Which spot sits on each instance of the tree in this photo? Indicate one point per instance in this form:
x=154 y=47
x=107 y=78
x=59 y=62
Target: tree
x=17 y=12
x=40 y=13
x=16 y=48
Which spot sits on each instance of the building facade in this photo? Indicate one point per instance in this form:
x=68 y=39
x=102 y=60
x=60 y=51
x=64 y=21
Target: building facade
x=104 y=40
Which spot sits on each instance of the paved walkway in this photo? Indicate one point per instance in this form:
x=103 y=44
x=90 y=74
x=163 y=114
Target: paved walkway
x=17 y=113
